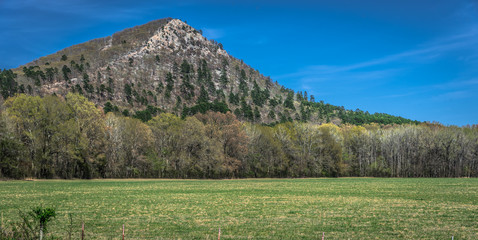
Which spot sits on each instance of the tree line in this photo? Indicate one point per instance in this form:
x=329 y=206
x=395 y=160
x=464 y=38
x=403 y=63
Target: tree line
x=69 y=137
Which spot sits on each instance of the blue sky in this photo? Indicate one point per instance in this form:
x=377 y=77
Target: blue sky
x=417 y=59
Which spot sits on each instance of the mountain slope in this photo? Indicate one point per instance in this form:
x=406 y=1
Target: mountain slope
x=166 y=65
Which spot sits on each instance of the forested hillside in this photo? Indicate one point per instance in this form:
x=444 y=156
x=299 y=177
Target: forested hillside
x=56 y=137
x=168 y=66
x=160 y=100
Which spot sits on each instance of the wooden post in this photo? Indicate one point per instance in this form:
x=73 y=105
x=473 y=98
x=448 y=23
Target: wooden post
x=219 y=235
x=123 y=231
x=41 y=231
x=71 y=226
x=323 y=235
x=82 y=230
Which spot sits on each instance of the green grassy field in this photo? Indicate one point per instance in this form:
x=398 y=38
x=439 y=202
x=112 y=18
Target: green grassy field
x=344 y=208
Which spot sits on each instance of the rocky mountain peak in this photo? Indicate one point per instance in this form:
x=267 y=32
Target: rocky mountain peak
x=167 y=65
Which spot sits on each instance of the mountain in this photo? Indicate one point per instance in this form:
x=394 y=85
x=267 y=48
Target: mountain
x=167 y=65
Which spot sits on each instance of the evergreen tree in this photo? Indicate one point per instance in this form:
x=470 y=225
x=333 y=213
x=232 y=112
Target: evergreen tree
x=169 y=85
x=8 y=85
x=289 y=101
x=272 y=115
x=128 y=91
x=203 y=96
x=257 y=115
x=66 y=71
x=233 y=99
x=223 y=79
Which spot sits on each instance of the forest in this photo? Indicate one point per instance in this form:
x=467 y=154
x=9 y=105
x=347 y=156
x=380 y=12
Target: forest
x=69 y=137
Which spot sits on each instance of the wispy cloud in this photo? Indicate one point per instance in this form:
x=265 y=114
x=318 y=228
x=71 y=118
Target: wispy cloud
x=86 y=9
x=426 y=53
x=452 y=95
x=466 y=83
x=213 y=33
x=399 y=95
x=390 y=73
x=456 y=89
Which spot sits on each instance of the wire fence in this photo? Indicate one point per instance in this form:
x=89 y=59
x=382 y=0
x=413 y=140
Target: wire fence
x=123 y=233
x=83 y=232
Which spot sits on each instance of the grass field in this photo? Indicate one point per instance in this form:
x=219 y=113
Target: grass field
x=343 y=208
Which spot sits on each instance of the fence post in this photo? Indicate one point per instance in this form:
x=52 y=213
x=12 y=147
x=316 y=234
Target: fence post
x=323 y=235
x=71 y=226
x=219 y=235
x=41 y=231
x=123 y=231
x=82 y=230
